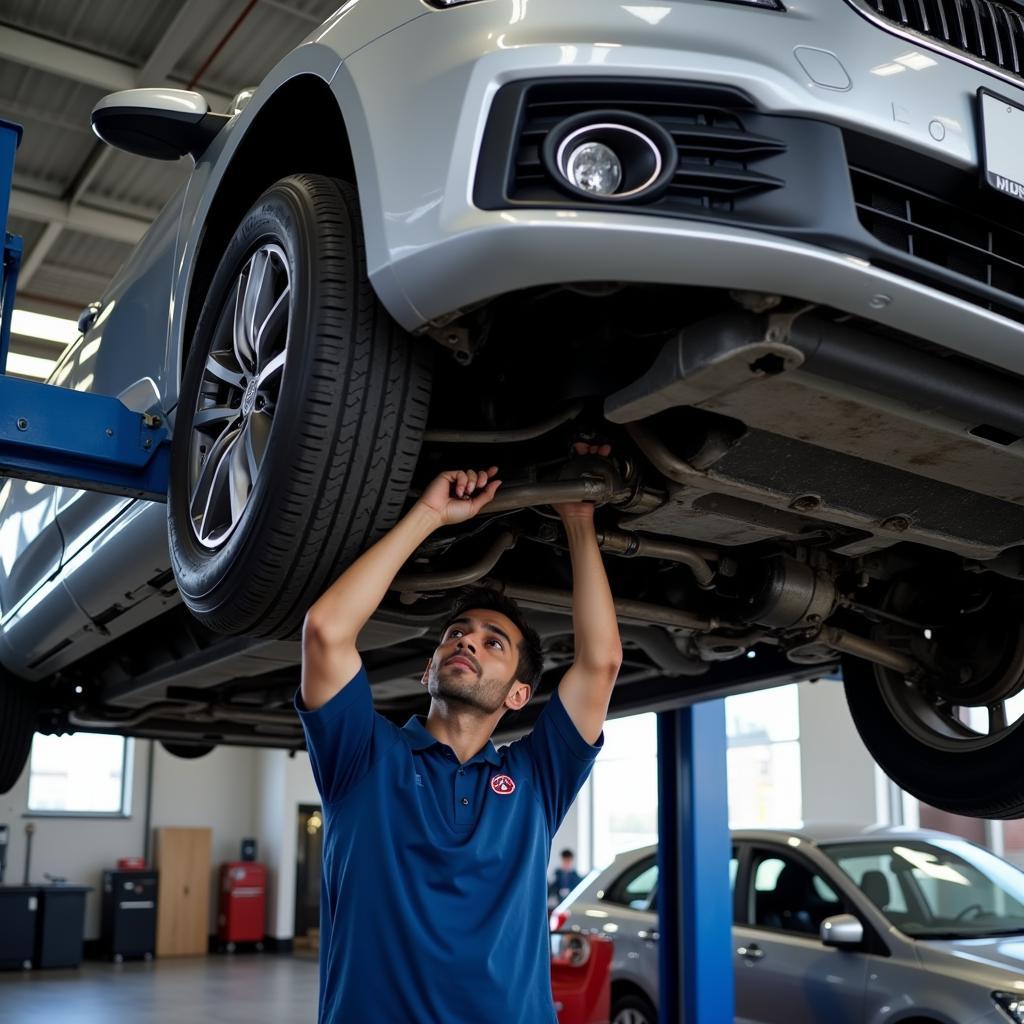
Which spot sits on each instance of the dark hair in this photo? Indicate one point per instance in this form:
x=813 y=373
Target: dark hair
x=568 y=853
x=531 y=662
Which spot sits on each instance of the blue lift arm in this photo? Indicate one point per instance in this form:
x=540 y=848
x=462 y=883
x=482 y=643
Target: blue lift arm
x=59 y=436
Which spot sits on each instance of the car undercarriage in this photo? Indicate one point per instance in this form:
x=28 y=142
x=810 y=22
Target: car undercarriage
x=776 y=502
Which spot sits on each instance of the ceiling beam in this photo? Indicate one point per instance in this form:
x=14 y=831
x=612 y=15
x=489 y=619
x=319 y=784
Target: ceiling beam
x=105 y=74
x=38 y=252
x=38 y=348
x=79 y=218
x=194 y=17
x=66 y=61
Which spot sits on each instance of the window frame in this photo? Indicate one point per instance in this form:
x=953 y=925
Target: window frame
x=127 y=763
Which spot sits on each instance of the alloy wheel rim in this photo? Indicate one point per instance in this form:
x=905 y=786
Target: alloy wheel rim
x=934 y=715
x=238 y=396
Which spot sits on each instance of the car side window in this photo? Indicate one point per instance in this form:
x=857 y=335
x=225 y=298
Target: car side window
x=634 y=886
x=788 y=896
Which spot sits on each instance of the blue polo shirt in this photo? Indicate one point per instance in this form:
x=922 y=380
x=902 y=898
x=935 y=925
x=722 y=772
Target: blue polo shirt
x=433 y=904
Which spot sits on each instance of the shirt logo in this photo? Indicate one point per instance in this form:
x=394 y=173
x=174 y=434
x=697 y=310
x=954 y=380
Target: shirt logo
x=503 y=785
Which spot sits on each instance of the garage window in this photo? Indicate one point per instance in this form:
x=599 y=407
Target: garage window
x=764 y=758
x=79 y=775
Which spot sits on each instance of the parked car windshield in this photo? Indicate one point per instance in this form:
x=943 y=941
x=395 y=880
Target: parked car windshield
x=942 y=889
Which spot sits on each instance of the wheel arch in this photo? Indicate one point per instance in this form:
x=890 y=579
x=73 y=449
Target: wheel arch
x=276 y=143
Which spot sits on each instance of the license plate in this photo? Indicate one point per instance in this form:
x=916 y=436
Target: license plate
x=1002 y=144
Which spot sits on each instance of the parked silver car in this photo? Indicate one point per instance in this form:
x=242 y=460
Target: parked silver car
x=770 y=251
x=869 y=926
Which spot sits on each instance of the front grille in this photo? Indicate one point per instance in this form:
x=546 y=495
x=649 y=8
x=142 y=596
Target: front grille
x=960 y=236
x=718 y=156
x=991 y=31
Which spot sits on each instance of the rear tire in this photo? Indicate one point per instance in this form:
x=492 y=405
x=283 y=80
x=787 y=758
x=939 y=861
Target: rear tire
x=17 y=727
x=980 y=782
x=328 y=404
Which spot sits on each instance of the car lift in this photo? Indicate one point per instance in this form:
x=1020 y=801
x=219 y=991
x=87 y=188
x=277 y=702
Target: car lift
x=56 y=435
x=59 y=436
x=695 y=967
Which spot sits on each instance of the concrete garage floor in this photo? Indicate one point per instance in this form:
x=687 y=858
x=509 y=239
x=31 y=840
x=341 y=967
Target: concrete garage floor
x=244 y=989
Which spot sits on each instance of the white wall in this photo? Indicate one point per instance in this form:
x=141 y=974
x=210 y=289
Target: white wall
x=235 y=791
x=285 y=782
x=838 y=777
x=568 y=837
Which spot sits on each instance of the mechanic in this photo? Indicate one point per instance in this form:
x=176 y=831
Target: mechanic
x=564 y=879
x=433 y=894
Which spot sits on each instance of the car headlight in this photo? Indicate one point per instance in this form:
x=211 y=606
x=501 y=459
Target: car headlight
x=1012 y=1004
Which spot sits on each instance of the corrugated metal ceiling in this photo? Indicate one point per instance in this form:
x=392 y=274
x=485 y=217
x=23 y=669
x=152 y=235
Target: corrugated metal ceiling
x=152 y=42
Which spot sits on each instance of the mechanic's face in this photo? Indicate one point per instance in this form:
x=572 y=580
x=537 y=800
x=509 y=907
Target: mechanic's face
x=476 y=662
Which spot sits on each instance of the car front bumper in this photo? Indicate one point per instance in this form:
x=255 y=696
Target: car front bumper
x=419 y=100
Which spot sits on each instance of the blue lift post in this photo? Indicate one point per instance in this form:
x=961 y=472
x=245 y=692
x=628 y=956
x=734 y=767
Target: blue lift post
x=56 y=435
x=694 y=898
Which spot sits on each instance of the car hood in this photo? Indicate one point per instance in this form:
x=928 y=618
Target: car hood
x=998 y=959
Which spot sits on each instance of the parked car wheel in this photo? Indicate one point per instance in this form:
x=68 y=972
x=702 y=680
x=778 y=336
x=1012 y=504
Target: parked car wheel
x=634 y=1009
x=300 y=417
x=947 y=735
x=188 y=751
x=17 y=727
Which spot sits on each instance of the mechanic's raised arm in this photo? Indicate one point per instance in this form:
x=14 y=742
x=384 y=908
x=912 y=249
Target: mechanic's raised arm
x=586 y=688
x=329 y=656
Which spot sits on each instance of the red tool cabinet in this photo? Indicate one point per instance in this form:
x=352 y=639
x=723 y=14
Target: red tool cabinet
x=243 y=898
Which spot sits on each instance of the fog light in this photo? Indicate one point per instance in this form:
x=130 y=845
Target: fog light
x=610 y=155
x=594 y=167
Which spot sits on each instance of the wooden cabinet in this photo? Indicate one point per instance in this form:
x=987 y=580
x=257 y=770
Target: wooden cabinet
x=182 y=857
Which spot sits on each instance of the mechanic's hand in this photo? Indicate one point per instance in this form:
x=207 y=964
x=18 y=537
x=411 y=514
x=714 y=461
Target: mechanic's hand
x=582 y=511
x=459 y=494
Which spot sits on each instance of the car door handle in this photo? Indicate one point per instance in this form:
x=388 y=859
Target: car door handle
x=649 y=936
x=751 y=952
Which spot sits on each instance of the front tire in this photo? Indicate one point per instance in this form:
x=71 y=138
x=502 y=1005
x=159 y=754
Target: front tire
x=300 y=418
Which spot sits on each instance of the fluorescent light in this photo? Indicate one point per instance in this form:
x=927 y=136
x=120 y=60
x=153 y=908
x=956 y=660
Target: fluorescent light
x=30 y=366
x=39 y=325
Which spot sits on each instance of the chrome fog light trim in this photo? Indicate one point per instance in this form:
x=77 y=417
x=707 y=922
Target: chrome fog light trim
x=610 y=156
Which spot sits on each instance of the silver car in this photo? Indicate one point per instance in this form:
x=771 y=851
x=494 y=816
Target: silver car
x=769 y=250
x=869 y=926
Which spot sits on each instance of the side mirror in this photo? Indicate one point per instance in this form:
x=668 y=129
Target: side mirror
x=164 y=124
x=843 y=931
